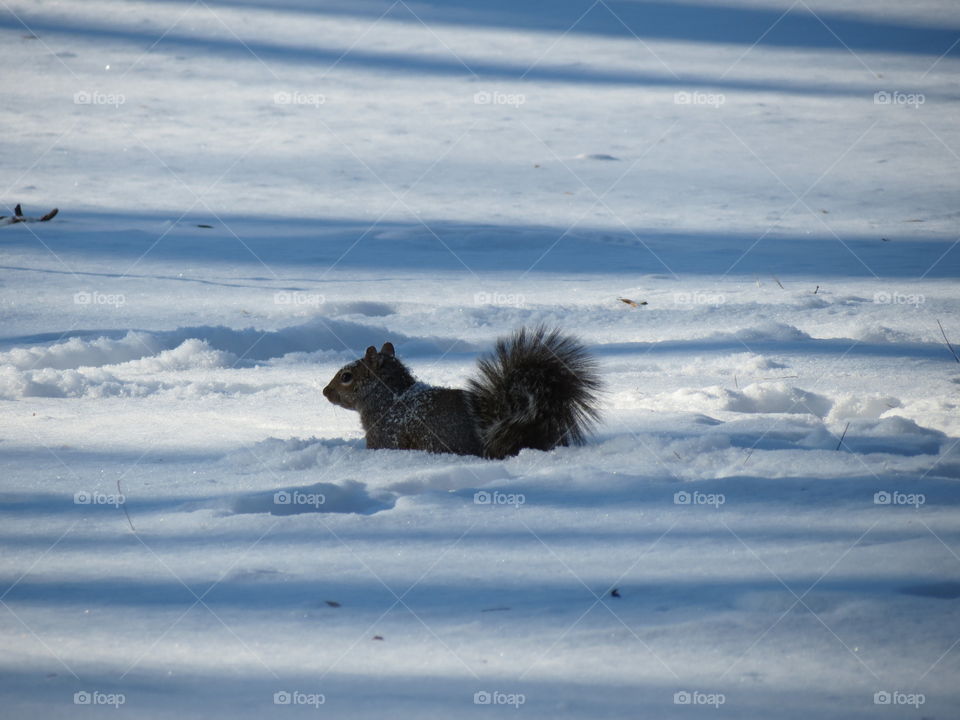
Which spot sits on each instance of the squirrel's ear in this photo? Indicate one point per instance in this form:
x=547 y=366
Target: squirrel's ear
x=387 y=349
x=371 y=353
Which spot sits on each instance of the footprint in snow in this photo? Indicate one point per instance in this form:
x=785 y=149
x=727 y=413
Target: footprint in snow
x=349 y=497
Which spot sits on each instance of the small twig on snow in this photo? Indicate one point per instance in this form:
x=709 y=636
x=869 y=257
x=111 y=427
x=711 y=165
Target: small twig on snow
x=124 y=506
x=843 y=436
x=952 y=351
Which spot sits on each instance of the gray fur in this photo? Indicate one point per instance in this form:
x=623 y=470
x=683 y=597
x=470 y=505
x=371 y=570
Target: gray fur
x=537 y=389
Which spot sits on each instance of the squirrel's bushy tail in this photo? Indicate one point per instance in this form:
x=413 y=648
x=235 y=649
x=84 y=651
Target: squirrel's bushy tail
x=538 y=389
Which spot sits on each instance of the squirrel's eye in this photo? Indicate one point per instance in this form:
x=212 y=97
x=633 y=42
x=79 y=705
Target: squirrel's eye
x=346 y=377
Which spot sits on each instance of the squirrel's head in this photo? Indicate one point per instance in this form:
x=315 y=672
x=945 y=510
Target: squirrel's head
x=375 y=372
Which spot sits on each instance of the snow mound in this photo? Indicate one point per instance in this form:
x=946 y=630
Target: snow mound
x=748 y=362
x=741 y=364
x=870 y=406
x=91 y=379
x=763 y=397
x=188 y=343
x=48 y=382
x=291 y=454
x=777 y=398
x=768 y=332
x=880 y=334
x=75 y=353
x=892 y=435
x=193 y=354
x=407 y=472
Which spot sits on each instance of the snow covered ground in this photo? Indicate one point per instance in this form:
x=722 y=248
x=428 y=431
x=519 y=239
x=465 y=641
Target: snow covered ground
x=251 y=193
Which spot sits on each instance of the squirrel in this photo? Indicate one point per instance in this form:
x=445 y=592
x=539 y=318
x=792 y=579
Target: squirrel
x=537 y=389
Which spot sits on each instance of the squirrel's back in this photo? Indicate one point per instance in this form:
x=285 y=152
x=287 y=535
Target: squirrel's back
x=537 y=389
